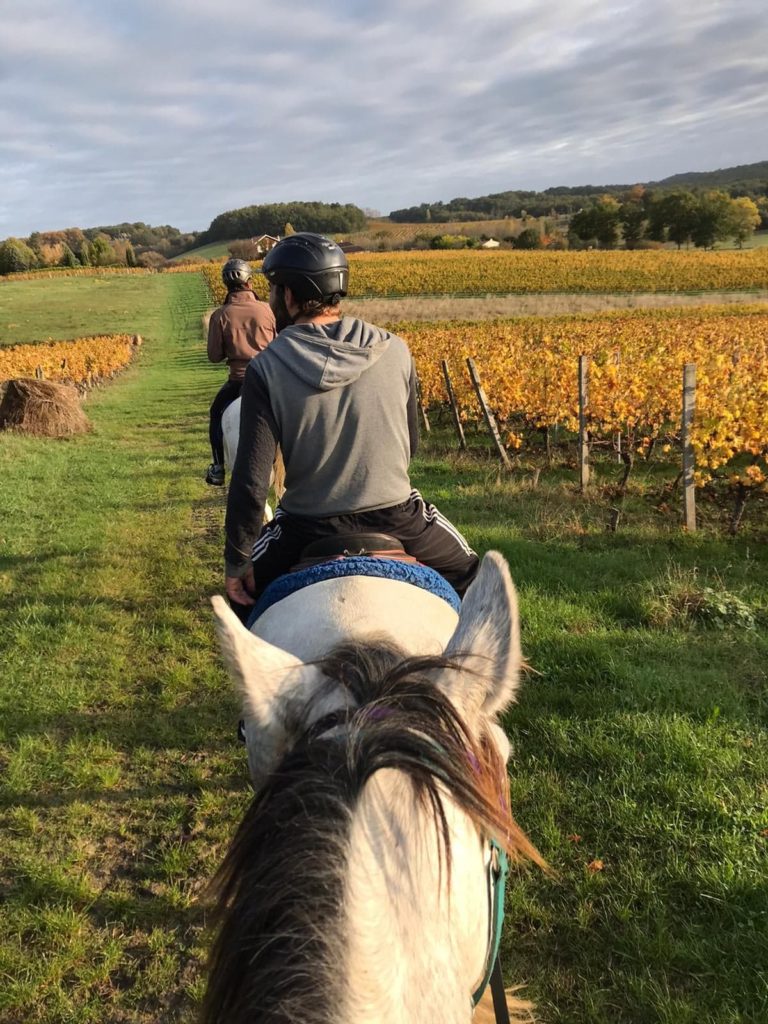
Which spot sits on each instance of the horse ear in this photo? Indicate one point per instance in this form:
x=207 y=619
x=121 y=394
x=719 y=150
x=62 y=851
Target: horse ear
x=486 y=641
x=261 y=670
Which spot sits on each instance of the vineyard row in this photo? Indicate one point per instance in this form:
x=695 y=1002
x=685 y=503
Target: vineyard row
x=528 y=370
x=498 y=273
x=81 y=361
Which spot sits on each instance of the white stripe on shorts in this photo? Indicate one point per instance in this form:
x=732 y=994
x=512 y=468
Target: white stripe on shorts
x=434 y=515
x=273 y=532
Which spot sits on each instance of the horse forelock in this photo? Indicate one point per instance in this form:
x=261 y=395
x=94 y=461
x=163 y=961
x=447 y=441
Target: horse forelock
x=404 y=721
x=280 y=891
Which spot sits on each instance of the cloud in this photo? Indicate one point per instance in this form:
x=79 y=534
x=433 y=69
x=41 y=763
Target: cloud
x=174 y=112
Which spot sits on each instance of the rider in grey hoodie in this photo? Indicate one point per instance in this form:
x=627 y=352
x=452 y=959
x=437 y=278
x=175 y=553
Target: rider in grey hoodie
x=338 y=396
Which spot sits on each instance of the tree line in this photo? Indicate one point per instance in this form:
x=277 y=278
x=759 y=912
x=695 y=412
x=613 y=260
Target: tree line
x=139 y=244
x=701 y=218
x=131 y=245
x=498 y=206
x=270 y=219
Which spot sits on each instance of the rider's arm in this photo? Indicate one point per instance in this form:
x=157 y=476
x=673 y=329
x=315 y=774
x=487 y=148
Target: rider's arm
x=413 y=412
x=249 y=483
x=216 y=352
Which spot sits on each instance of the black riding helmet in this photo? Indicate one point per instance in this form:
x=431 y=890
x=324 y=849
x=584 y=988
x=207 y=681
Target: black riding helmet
x=312 y=266
x=236 y=272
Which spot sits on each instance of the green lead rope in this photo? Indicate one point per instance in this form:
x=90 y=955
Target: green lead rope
x=499 y=874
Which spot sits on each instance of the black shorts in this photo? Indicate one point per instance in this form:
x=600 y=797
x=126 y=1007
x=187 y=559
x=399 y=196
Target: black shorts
x=421 y=528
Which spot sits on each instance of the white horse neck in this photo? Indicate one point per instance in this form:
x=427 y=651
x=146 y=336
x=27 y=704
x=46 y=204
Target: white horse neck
x=417 y=930
x=415 y=946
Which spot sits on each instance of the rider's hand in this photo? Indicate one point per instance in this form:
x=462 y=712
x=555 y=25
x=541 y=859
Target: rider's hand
x=238 y=586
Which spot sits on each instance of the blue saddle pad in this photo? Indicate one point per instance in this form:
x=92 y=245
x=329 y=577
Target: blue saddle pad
x=384 y=568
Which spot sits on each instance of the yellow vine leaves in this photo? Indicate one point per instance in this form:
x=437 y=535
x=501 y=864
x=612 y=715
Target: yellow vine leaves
x=77 y=361
x=528 y=369
x=518 y=272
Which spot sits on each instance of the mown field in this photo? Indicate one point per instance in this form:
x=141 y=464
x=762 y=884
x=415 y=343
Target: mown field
x=67 y=307
x=640 y=764
x=212 y=251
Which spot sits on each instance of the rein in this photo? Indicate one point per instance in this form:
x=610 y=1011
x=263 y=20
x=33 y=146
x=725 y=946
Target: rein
x=498 y=870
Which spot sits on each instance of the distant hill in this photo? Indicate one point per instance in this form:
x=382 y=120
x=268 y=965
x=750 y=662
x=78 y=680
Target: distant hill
x=744 y=180
x=725 y=176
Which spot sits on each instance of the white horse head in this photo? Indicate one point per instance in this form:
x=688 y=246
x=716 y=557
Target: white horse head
x=356 y=888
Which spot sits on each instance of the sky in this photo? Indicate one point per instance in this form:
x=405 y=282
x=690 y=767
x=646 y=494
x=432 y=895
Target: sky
x=172 y=111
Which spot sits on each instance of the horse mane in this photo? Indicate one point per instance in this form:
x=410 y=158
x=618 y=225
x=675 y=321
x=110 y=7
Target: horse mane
x=280 y=890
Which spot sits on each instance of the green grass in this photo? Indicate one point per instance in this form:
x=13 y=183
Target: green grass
x=757 y=241
x=74 y=307
x=212 y=251
x=120 y=780
x=640 y=742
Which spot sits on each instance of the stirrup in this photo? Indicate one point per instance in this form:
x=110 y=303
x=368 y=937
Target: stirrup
x=215 y=475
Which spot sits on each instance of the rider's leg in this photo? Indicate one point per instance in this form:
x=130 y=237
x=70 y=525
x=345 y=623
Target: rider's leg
x=426 y=534
x=279 y=547
x=242 y=611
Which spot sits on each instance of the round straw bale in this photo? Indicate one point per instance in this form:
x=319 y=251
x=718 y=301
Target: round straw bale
x=42 y=408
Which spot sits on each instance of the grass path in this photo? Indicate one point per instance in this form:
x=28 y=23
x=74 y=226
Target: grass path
x=640 y=765
x=116 y=737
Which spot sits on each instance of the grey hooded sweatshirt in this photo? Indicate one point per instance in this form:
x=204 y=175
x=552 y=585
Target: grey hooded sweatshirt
x=340 y=400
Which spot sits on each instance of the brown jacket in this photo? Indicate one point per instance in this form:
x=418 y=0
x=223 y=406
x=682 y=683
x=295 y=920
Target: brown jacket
x=238 y=330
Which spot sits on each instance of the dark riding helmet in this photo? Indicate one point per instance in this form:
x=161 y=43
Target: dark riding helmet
x=236 y=272
x=312 y=266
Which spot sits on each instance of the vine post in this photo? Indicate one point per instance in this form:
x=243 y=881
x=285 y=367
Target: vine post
x=454 y=405
x=689 y=460
x=420 y=398
x=490 y=419
x=583 y=438
x=617 y=435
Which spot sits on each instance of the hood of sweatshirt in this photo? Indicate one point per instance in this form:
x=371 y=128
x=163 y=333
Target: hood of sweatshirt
x=328 y=356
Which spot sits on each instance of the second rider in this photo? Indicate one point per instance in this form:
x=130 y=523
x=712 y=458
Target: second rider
x=338 y=395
